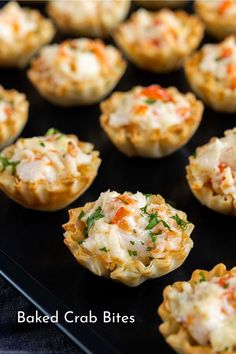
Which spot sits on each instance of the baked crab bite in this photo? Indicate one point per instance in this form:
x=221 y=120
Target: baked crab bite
x=211 y=73
x=77 y=71
x=159 y=41
x=219 y=16
x=13 y=115
x=211 y=173
x=199 y=315
x=47 y=172
x=90 y=17
x=23 y=32
x=157 y=4
x=150 y=121
x=128 y=237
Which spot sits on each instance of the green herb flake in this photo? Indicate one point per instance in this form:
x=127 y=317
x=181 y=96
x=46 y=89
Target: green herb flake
x=54 y=131
x=80 y=242
x=144 y=209
x=148 y=195
x=166 y=225
x=153 y=221
x=142 y=243
x=148 y=249
x=132 y=253
x=132 y=242
x=98 y=214
x=180 y=222
x=41 y=143
x=104 y=249
x=150 y=101
x=81 y=215
x=202 y=277
x=153 y=236
x=5 y=163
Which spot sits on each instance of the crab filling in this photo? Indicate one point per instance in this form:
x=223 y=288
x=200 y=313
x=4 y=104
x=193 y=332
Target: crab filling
x=130 y=226
x=208 y=311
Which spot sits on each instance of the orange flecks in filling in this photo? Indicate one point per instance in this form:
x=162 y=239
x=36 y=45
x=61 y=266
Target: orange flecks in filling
x=156 y=92
x=126 y=199
x=8 y=110
x=233 y=83
x=222 y=166
x=140 y=109
x=226 y=52
x=155 y=41
x=224 y=6
x=183 y=112
x=119 y=219
x=223 y=281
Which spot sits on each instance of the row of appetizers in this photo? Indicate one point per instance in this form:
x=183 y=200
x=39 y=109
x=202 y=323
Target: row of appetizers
x=146 y=121
x=83 y=71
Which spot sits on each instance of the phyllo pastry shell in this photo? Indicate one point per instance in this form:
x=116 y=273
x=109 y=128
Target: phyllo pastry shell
x=47 y=172
x=211 y=73
x=219 y=16
x=157 y=4
x=150 y=121
x=13 y=115
x=23 y=32
x=89 y=17
x=128 y=237
x=159 y=41
x=211 y=173
x=199 y=315
x=77 y=71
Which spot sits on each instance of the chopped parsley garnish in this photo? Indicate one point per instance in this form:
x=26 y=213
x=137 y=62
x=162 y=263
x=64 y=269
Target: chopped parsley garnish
x=166 y=225
x=142 y=242
x=148 y=195
x=153 y=236
x=54 y=131
x=5 y=163
x=98 y=214
x=132 y=253
x=132 y=242
x=144 y=209
x=148 y=249
x=202 y=277
x=153 y=221
x=104 y=249
x=81 y=215
x=81 y=242
x=180 y=222
x=218 y=58
x=150 y=101
x=41 y=143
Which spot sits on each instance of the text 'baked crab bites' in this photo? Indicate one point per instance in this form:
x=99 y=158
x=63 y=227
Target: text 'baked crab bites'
x=159 y=41
x=76 y=72
x=219 y=16
x=200 y=315
x=129 y=237
x=47 y=172
x=211 y=173
x=23 y=32
x=89 y=17
x=150 y=121
x=211 y=72
x=13 y=115
x=157 y=4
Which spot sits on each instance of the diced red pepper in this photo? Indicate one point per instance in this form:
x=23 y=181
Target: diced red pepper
x=157 y=92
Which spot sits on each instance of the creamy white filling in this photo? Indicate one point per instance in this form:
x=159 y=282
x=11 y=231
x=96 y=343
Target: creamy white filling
x=215 y=62
x=216 y=162
x=224 y=7
x=108 y=235
x=14 y=23
x=158 y=115
x=48 y=158
x=207 y=312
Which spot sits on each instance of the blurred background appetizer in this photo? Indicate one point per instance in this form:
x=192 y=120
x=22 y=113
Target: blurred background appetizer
x=23 y=32
x=211 y=73
x=89 y=17
x=211 y=173
x=47 y=172
x=219 y=16
x=199 y=315
x=159 y=41
x=157 y=4
x=150 y=121
x=76 y=72
x=128 y=237
x=13 y=115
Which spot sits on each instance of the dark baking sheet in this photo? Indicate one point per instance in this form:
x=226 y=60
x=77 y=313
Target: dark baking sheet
x=43 y=268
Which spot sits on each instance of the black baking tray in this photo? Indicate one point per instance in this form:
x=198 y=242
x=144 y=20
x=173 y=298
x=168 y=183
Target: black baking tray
x=35 y=260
